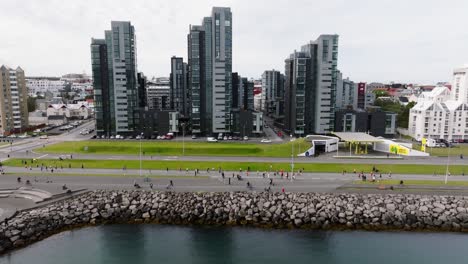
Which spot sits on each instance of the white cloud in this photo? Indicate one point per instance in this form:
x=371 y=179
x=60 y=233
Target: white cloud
x=384 y=40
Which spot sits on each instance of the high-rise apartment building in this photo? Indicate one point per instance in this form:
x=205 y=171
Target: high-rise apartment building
x=178 y=81
x=114 y=67
x=346 y=94
x=299 y=95
x=273 y=92
x=310 y=89
x=247 y=94
x=13 y=101
x=210 y=69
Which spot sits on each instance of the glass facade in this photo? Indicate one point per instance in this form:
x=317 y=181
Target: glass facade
x=115 y=80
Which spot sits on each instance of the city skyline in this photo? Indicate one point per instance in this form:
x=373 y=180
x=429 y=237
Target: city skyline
x=391 y=41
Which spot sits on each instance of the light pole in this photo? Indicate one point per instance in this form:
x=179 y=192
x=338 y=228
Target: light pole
x=183 y=139
x=448 y=161
x=141 y=136
x=292 y=157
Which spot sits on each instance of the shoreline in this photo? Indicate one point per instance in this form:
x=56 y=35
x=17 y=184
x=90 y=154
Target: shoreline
x=309 y=211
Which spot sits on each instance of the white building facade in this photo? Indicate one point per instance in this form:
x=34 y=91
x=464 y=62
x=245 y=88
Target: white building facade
x=441 y=113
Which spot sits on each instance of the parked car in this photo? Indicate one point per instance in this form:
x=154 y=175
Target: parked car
x=211 y=139
x=194 y=137
x=43 y=137
x=265 y=140
x=246 y=138
x=220 y=136
x=225 y=138
x=230 y=138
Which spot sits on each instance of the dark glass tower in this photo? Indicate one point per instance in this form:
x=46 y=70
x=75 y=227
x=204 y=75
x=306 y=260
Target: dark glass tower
x=210 y=69
x=115 y=81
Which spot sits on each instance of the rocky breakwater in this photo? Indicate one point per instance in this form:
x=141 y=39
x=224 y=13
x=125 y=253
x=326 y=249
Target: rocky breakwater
x=273 y=210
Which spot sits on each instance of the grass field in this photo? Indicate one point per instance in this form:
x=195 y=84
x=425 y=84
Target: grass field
x=254 y=166
x=456 y=150
x=415 y=182
x=170 y=148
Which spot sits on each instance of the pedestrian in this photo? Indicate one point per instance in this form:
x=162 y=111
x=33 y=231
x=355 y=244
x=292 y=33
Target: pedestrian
x=263 y=175
x=271 y=181
x=167 y=169
x=151 y=185
x=229 y=181
x=282 y=190
x=171 y=183
x=222 y=175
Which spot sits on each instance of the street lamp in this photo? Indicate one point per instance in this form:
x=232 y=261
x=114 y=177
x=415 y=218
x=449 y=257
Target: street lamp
x=448 y=161
x=141 y=136
x=292 y=157
x=183 y=139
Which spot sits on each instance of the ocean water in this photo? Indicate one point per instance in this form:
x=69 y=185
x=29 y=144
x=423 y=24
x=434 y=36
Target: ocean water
x=176 y=244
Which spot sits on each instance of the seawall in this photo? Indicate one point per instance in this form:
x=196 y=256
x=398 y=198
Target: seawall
x=271 y=210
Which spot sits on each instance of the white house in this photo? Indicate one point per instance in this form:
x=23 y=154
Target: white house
x=441 y=113
x=71 y=111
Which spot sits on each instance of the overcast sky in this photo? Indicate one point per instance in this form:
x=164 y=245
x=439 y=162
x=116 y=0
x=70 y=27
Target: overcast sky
x=395 y=40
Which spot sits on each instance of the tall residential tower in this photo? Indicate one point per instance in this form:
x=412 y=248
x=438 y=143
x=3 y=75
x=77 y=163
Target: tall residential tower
x=114 y=67
x=311 y=83
x=210 y=69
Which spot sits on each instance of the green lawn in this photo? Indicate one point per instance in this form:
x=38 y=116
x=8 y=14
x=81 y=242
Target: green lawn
x=254 y=166
x=168 y=148
x=415 y=182
x=456 y=150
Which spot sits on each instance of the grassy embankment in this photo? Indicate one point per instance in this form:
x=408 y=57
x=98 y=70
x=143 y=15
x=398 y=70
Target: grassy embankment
x=455 y=151
x=174 y=148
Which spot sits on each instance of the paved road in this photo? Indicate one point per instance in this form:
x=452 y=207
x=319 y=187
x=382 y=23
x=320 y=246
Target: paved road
x=21 y=153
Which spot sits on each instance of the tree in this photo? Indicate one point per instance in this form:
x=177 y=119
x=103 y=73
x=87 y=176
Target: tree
x=403 y=116
x=380 y=93
x=31 y=104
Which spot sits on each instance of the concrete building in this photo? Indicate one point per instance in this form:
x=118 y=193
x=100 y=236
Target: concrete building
x=40 y=85
x=310 y=89
x=13 y=101
x=180 y=97
x=246 y=122
x=158 y=94
x=210 y=69
x=116 y=93
x=441 y=113
x=273 y=93
x=377 y=123
x=346 y=93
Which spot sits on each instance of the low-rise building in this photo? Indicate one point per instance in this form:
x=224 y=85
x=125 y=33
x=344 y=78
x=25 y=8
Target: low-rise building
x=377 y=123
x=71 y=111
